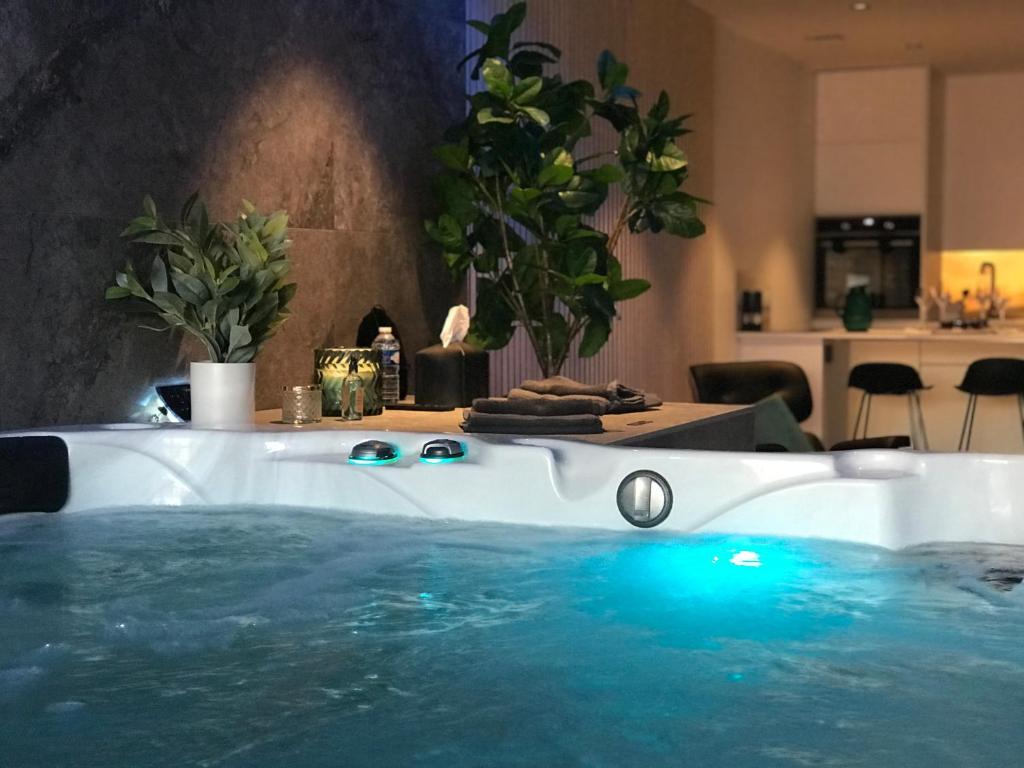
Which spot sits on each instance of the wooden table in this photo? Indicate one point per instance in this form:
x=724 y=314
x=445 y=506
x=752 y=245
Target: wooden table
x=673 y=425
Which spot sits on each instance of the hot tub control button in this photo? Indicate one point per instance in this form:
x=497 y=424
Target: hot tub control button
x=441 y=451
x=644 y=498
x=373 y=452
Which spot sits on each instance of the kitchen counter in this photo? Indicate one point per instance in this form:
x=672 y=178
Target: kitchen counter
x=1003 y=335
x=940 y=356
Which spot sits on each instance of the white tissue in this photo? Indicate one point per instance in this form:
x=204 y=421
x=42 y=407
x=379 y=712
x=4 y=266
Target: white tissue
x=456 y=325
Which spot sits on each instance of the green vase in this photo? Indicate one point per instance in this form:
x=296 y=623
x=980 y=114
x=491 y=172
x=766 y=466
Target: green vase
x=856 y=313
x=331 y=366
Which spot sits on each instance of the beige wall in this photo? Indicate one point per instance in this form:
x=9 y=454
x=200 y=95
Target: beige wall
x=872 y=141
x=764 y=185
x=983 y=201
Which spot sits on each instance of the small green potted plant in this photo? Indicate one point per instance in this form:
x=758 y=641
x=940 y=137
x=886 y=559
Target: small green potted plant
x=222 y=283
x=524 y=180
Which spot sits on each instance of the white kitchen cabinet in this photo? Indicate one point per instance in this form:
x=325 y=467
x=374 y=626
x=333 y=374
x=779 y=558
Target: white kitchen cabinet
x=871 y=142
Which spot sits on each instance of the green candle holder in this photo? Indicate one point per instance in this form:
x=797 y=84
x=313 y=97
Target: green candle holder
x=331 y=366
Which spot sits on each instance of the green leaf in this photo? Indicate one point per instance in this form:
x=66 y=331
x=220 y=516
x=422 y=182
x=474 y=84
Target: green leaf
x=169 y=303
x=487 y=115
x=538 y=116
x=186 y=209
x=458 y=197
x=157 y=238
x=581 y=262
x=580 y=200
x=553 y=50
x=598 y=301
x=158 y=274
x=492 y=325
x=677 y=213
x=141 y=224
x=670 y=159
x=497 y=78
x=610 y=71
x=628 y=289
x=286 y=294
x=454 y=156
x=190 y=288
x=554 y=175
x=526 y=89
x=263 y=310
x=526 y=64
x=595 y=334
x=479 y=26
x=660 y=109
x=240 y=336
x=514 y=17
x=524 y=196
x=242 y=354
x=607 y=174
x=149 y=206
x=447 y=231
x=116 y=292
x=228 y=285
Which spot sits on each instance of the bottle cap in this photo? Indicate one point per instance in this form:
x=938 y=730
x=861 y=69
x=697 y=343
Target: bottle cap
x=384 y=329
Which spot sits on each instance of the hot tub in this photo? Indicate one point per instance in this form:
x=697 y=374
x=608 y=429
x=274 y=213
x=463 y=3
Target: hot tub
x=253 y=598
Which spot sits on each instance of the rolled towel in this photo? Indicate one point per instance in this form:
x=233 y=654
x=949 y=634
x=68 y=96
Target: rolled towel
x=541 y=405
x=517 y=424
x=563 y=385
x=622 y=399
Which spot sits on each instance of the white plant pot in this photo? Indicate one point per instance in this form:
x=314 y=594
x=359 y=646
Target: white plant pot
x=223 y=394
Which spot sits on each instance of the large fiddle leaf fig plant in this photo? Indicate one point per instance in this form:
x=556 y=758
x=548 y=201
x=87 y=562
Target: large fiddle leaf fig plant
x=223 y=283
x=519 y=193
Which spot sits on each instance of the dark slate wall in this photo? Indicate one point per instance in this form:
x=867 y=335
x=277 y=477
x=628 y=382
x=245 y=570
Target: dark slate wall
x=327 y=108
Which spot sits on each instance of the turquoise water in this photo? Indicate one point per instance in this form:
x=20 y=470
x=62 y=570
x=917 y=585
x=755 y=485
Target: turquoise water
x=286 y=638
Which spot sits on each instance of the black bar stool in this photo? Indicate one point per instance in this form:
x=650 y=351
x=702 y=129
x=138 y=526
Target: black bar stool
x=990 y=377
x=889 y=379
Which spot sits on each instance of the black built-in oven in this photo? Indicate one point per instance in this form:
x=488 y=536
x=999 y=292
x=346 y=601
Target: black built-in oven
x=886 y=250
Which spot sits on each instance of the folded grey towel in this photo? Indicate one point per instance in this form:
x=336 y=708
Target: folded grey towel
x=541 y=405
x=622 y=399
x=517 y=424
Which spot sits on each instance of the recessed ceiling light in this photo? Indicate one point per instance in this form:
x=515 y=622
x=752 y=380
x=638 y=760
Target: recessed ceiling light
x=860 y=6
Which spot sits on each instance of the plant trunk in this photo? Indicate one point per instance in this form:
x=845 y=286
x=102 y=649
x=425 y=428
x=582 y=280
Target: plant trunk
x=548 y=367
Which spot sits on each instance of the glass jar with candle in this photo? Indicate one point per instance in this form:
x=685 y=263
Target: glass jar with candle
x=301 y=405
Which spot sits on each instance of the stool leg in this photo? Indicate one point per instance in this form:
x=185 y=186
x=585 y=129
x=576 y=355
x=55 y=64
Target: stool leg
x=917 y=416
x=1020 y=408
x=968 y=427
x=867 y=417
x=860 y=410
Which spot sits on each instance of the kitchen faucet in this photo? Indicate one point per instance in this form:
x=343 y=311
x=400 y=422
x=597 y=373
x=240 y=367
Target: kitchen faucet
x=992 y=285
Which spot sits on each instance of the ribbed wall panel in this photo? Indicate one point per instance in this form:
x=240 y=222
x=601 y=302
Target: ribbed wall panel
x=668 y=45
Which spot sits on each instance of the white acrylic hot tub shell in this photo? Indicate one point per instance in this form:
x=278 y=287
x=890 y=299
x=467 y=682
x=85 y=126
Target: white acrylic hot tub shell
x=888 y=498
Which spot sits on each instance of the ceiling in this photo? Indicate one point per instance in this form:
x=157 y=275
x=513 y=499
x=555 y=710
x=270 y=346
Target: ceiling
x=954 y=36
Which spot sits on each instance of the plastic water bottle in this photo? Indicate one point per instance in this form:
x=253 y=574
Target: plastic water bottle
x=390 y=353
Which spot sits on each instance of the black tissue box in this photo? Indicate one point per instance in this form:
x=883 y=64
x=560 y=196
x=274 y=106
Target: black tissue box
x=452 y=376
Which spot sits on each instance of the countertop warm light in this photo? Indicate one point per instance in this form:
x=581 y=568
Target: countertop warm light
x=1002 y=335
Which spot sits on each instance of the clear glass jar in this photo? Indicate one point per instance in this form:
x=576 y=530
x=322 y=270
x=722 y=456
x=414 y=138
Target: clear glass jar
x=302 y=404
